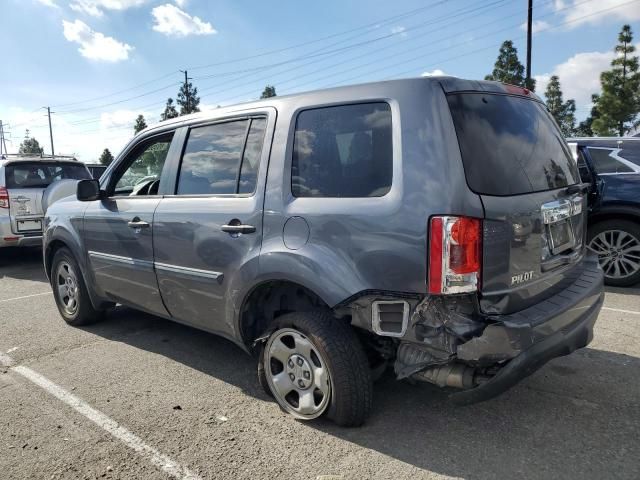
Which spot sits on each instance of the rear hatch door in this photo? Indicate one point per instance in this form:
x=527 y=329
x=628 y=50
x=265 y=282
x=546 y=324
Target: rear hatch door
x=26 y=182
x=517 y=160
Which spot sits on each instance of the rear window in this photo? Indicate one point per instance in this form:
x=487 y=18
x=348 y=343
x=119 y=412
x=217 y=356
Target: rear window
x=43 y=174
x=510 y=145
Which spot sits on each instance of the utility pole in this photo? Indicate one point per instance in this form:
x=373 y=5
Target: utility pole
x=529 y=24
x=187 y=91
x=50 y=131
x=3 y=143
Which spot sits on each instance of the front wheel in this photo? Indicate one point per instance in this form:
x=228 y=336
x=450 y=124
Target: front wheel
x=314 y=364
x=617 y=243
x=70 y=292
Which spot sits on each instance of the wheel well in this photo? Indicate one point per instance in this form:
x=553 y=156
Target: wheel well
x=52 y=248
x=603 y=217
x=271 y=299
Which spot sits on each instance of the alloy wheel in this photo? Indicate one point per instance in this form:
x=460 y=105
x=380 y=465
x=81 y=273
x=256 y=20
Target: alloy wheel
x=66 y=282
x=618 y=253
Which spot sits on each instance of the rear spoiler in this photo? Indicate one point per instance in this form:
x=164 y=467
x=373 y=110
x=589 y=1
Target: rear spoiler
x=459 y=85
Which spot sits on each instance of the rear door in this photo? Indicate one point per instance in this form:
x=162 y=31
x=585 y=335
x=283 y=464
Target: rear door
x=517 y=160
x=27 y=181
x=118 y=232
x=208 y=228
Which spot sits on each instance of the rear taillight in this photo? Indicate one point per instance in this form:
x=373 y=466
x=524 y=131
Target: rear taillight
x=4 y=198
x=455 y=249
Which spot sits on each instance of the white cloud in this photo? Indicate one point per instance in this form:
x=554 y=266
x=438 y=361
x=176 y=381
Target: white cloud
x=536 y=26
x=622 y=10
x=579 y=76
x=436 y=73
x=94 y=45
x=399 y=31
x=181 y=3
x=95 y=7
x=172 y=21
x=49 y=3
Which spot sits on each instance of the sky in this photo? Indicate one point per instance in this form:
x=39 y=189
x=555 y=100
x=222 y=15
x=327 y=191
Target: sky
x=100 y=63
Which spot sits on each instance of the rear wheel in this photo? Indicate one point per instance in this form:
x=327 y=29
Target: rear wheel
x=617 y=244
x=70 y=292
x=314 y=364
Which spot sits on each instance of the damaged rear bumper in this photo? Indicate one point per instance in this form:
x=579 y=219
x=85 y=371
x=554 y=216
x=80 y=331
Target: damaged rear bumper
x=494 y=352
x=576 y=335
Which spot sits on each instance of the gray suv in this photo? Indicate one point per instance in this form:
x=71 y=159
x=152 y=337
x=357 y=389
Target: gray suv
x=436 y=225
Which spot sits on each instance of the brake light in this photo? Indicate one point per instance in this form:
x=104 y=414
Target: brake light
x=455 y=249
x=4 y=198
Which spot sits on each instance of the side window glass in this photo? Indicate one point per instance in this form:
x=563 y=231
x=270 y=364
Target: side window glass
x=211 y=159
x=251 y=158
x=343 y=151
x=144 y=167
x=603 y=162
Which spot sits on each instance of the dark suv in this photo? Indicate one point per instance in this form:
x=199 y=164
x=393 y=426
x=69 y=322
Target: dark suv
x=435 y=224
x=611 y=166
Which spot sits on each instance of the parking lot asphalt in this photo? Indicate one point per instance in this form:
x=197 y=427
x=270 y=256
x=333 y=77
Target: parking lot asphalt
x=115 y=397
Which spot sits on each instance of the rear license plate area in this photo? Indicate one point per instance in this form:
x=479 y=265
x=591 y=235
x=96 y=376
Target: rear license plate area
x=29 y=225
x=561 y=236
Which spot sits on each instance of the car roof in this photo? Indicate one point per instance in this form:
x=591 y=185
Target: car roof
x=446 y=83
x=611 y=142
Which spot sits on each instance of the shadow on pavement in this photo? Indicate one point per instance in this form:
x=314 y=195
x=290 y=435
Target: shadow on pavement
x=23 y=263
x=576 y=417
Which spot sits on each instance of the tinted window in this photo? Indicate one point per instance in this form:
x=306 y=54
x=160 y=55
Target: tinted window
x=343 y=151
x=510 y=145
x=583 y=168
x=251 y=158
x=604 y=161
x=143 y=167
x=212 y=158
x=41 y=174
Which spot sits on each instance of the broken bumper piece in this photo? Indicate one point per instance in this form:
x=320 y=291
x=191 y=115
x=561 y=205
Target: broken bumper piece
x=452 y=345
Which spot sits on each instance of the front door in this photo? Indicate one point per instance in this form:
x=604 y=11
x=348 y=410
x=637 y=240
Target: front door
x=208 y=231
x=118 y=229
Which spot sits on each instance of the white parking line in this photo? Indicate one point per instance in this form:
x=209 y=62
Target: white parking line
x=25 y=296
x=621 y=310
x=131 y=440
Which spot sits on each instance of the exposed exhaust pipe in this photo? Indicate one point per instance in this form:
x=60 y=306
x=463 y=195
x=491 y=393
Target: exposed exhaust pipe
x=457 y=375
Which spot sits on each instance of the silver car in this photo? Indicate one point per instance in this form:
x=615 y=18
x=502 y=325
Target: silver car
x=23 y=181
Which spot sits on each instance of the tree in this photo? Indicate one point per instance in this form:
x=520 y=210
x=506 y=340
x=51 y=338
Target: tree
x=106 y=158
x=30 y=146
x=140 y=124
x=269 y=91
x=169 y=111
x=619 y=103
x=508 y=68
x=563 y=112
x=188 y=99
x=585 y=127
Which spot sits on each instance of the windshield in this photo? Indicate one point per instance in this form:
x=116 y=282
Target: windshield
x=510 y=145
x=43 y=174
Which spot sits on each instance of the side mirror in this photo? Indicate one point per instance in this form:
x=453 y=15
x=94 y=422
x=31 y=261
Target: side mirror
x=88 y=190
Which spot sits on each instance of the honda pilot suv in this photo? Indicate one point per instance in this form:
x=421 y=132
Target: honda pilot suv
x=436 y=225
x=23 y=181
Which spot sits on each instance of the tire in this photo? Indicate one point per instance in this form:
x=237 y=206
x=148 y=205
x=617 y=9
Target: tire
x=72 y=298
x=617 y=243
x=320 y=362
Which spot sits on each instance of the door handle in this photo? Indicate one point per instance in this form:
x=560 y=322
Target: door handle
x=238 y=228
x=137 y=223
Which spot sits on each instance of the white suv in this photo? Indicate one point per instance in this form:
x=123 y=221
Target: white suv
x=23 y=180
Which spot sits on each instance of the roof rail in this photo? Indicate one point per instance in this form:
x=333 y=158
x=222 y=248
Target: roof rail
x=35 y=156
